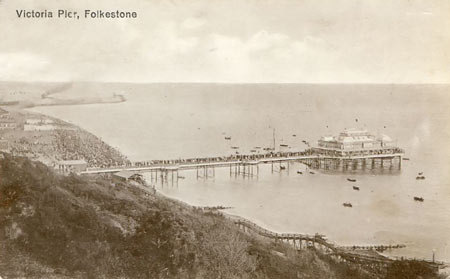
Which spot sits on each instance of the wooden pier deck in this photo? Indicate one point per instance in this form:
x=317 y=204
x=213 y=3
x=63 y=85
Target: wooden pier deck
x=212 y=162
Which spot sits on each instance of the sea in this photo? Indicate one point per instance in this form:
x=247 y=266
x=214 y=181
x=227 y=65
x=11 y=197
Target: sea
x=169 y=121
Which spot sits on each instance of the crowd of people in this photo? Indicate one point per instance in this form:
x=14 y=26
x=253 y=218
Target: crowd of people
x=31 y=145
x=79 y=145
x=255 y=157
x=237 y=157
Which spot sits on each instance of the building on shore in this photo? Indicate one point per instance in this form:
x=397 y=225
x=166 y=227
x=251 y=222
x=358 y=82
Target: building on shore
x=125 y=176
x=354 y=148
x=41 y=127
x=7 y=124
x=71 y=166
x=38 y=121
x=42 y=124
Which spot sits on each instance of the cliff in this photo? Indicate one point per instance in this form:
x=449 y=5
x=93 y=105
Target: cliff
x=91 y=227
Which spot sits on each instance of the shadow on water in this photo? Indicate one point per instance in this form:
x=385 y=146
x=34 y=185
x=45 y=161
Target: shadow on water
x=389 y=172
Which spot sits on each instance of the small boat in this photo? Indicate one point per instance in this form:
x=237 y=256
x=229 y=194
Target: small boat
x=351 y=179
x=181 y=177
x=418 y=199
x=253 y=150
x=284 y=145
x=420 y=177
x=294 y=135
x=235 y=147
x=282 y=167
x=311 y=172
x=299 y=172
x=420 y=173
x=347 y=204
x=405 y=159
x=228 y=138
x=257 y=147
x=356 y=188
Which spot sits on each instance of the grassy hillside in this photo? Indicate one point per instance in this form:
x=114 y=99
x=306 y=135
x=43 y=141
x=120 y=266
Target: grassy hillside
x=88 y=227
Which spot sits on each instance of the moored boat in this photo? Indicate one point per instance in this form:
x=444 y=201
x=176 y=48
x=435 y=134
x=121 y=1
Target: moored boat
x=420 y=177
x=351 y=179
x=299 y=172
x=418 y=199
x=356 y=188
x=347 y=204
x=228 y=138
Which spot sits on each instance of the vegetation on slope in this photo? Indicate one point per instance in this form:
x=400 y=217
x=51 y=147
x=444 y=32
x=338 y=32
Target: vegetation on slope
x=89 y=227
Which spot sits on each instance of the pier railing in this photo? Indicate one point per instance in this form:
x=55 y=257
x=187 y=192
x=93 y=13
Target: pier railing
x=241 y=159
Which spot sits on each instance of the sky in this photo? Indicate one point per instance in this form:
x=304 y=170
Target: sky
x=230 y=41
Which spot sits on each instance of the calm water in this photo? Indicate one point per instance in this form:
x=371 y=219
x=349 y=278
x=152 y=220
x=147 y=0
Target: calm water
x=173 y=121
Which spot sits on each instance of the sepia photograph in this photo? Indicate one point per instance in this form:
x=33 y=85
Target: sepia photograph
x=217 y=139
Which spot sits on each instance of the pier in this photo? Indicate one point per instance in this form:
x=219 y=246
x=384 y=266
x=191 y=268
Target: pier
x=248 y=165
x=351 y=150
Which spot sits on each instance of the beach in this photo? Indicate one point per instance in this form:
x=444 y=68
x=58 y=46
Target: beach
x=146 y=128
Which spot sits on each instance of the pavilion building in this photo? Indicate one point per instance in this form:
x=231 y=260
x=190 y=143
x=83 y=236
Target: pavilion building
x=357 y=147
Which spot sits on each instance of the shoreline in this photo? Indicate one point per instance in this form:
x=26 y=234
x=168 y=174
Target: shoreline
x=258 y=228
x=84 y=131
